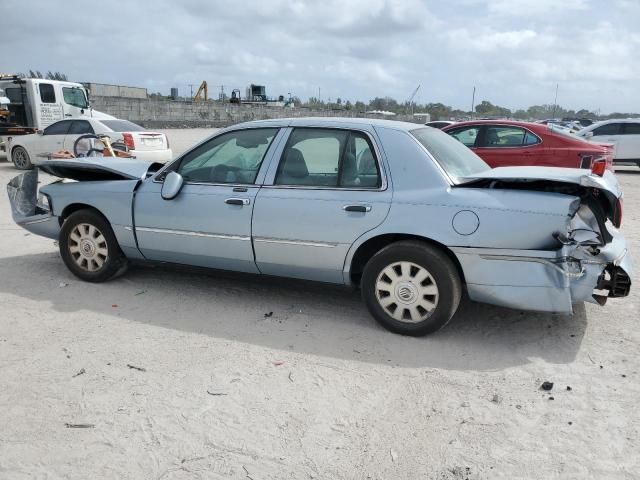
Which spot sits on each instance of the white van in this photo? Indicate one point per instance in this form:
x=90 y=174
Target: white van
x=37 y=103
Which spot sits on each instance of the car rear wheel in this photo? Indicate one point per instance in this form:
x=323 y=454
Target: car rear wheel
x=411 y=288
x=21 y=159
x=89 y=248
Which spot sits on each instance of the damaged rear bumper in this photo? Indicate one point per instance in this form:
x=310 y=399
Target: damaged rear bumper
x=23 y=196
x=548 y=281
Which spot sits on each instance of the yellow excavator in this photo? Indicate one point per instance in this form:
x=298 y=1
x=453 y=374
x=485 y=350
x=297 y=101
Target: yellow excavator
x=203 y=90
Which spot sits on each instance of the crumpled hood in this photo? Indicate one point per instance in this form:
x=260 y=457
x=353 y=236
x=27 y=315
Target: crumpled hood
x=577 y=176
x=99 y=168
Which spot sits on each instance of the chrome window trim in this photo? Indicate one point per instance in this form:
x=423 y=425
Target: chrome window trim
x=191 y=233
x=378 y=158
x=295 y=242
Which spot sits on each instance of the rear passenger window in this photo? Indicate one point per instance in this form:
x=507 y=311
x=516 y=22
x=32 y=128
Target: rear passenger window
x=328 y=158
x=47 y=94
x=497 y=137
x=58 y=128
x=80 y=127
x=632 y=128
x=609 y=129
x=531 y=139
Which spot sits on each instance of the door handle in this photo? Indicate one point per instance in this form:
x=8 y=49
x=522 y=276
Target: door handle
x=67 y=115
x=237 y=201
x=357 y=208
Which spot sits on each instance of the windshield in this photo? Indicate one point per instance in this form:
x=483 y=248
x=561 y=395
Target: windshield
x=122 y=126
x=456 y=159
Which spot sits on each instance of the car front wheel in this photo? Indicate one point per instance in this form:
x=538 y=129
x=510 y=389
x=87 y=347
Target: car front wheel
x=21 y=158
x=411 y=288
x=89 y=248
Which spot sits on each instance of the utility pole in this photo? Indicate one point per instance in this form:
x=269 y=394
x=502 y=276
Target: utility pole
x=473 y=101
x=319 y=97
x=555 y=102
x=191 y=87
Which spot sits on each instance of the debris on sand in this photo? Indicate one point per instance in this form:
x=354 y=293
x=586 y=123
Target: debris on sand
x=80 y=372
x=551 y=398
x=496 y=399
x=546 y=386
x=465 y=404
x=133 y=367
x=277 y=363
x=62 y=285
x=290 y=378
x=140 y=293
x=394 y=455
x=213 y=393
x=79 y=425
x=247 y=472
x=114 y=305
x=568 y=388
x=268 y=315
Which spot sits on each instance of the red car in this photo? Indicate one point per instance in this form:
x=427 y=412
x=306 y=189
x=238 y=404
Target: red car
x=503 y=143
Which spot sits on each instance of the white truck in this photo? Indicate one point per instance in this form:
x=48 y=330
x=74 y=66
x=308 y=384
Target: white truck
x=35 y=103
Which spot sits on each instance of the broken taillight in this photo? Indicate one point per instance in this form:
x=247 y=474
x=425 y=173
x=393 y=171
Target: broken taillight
x=128 y=141
x=598 y=167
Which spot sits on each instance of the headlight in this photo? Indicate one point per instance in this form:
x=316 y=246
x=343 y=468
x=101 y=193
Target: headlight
x=43 y=202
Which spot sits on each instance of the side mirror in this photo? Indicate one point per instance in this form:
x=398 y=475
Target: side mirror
x=171 y=186
x=588 y=134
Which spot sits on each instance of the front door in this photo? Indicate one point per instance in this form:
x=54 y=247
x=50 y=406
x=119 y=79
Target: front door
x=209 y=223
x=327 y=190
x=52 y=139
x=78 y=127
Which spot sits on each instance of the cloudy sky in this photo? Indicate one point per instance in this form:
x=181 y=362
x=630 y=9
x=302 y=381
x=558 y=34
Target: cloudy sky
x=513 y=51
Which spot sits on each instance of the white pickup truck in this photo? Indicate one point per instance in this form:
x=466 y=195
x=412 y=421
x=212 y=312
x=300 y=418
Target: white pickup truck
x=35 y=103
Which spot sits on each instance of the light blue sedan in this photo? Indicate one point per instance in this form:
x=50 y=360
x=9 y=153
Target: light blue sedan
x=403 y=211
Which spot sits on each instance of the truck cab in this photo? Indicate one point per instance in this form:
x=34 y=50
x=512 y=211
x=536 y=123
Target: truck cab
x=35 y=103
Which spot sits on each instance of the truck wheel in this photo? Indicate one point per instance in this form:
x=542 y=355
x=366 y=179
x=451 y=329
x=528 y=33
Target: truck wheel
x=411 y=288
x=21 y=159
x=89 y=248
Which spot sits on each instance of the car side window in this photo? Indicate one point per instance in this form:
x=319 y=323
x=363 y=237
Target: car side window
x=608 y=129
x=80 y=127
x=233 y=157
x=465 y=135
x=47 y=93
x=632 y=128
x=531 y=139
x=58 y=128
x=320 y=157
x=497 y=137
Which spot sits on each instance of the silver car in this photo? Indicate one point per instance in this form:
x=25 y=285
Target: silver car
x=403 y=211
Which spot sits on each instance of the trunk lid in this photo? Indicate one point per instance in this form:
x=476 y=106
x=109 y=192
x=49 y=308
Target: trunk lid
x=572 y=181
x=149 y=141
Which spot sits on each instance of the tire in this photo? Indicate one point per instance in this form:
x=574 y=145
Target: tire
x=411 y=288
x=89 y=248
x=21 y=159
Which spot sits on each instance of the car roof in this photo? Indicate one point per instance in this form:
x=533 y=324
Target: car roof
x=500 y=122
x=330 y=122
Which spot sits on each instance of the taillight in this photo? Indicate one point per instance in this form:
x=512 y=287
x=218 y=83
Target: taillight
x=128 y=141
x=598 y=167
x=618 y=222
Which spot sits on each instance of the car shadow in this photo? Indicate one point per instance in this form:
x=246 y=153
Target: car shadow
x=297 y=316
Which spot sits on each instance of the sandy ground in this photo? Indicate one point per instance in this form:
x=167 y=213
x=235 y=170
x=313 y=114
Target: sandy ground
x=315 y=390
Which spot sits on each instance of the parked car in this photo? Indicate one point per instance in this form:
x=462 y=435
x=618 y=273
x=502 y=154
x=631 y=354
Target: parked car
x=503 y=143
x=29 y=150
x=403 y=211
x=624 y=134
x=440 y=124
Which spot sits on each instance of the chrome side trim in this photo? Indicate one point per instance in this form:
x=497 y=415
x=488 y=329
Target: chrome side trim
x=192 y=234
x=556 y=265
x=295 y=242
x=41 y=220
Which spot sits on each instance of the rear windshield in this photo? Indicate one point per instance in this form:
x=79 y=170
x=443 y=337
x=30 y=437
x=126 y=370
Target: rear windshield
x=456 y=159
x=122 y=126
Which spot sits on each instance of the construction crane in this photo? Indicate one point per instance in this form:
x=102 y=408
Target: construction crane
x=204 y=90
x=413 y=95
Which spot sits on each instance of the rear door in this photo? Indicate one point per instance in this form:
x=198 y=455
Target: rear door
x=78 y=127
x=327 y=189
x=611 y=133
x=631 y=140
x=510 y=145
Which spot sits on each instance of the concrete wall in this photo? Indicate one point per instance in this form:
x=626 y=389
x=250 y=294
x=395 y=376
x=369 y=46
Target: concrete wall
x=154 y=113
x=106 y=90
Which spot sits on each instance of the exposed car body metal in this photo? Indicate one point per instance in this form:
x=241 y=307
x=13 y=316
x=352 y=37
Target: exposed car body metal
x=521 y=246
